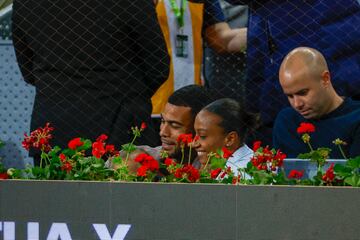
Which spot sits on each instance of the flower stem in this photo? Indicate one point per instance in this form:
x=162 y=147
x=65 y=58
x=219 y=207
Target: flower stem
x=311 y=148
x=182 y=155
x=189 y=155
x=342 y=152
x=207 y=162
x=41 y=159
x=128 y=152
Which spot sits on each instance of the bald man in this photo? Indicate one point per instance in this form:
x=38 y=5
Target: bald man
x=306 y=81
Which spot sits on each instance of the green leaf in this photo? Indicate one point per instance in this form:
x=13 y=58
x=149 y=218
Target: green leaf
x=353 y=180
x=342 y=170
x=304 y=155
x=97 y=165
x=128 y=147
x=69 y=152
x=87 y=145
x=217 y=162
x=354 y=163
x=54 y=150
x=87 y=170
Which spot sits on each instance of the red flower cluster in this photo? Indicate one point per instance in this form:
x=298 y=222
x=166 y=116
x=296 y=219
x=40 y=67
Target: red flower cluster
x=227 y=171
x=189 y=172
x=143 y=126
x=75 y=143
x=226 y=153
x=296 y=174
x=214 y=173
x=184 y=139
x=99 y=148
x=266 y=159
x=256 y=145
x=329 y=176
x=168 y=162
x=39 y=138
x=148 y=163
x=236 y=179
x=305 y=128
x=4 y=175
x=66 y=165
x=218 y=171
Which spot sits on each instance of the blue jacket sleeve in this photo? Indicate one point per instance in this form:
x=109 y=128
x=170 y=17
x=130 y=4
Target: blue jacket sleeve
x=212 y=13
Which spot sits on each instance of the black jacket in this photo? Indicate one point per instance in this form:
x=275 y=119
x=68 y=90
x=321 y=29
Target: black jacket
x=95 y=64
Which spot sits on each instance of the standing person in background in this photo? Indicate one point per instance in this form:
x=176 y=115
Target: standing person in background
x=185 y=23
x=277 y=26
x=95 y=65
x=225 y=73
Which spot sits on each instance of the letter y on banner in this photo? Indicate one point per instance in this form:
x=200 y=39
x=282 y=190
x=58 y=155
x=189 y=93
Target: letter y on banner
x=119 y=234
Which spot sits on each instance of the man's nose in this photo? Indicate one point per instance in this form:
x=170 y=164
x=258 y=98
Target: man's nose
x=164 y=130
x=298 y=103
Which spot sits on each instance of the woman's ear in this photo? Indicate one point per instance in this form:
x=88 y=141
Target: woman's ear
x=231 y=139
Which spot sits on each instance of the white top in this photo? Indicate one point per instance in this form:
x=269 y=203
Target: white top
x=239 y=159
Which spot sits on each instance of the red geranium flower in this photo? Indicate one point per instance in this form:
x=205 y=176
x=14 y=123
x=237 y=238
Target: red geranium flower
x=296 y=174
x=140 y=158
x=184 y=139
x=143 y=126
x=147 y=163
x=141 y=171
x=329 y=176
x=62 y=157
x=4 y=175
x=102 y=138
x=75 y=143
x=169 y=161
x=256 y=145
x=187 y=171
x=227 y=153
x=67 y=167
x=110 y=148
x=235 y=180
x=227 y=171
x=214 y=173
x=39 y=138
x=98 y=149
x=305 y=128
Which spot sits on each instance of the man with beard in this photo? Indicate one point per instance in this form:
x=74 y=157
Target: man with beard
x=177 y=118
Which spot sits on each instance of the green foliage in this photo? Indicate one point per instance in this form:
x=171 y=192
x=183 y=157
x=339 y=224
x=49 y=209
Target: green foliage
x=318 y=156
x=350 y=172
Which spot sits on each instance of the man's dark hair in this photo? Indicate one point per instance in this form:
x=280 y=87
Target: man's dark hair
x=193 y=96
x=234 y=117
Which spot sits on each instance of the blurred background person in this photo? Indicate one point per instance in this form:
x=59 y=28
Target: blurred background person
x=95 y=65
x=185 y=24
x=225 y=73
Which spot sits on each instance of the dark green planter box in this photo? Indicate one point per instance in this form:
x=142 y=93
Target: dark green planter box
x=179 y=211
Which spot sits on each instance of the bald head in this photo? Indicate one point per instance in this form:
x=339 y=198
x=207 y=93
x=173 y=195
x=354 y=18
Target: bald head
x=304 y=61
x=305 y=80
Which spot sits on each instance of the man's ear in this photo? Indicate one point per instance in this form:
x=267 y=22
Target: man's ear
x=326 y=78
x=231 y=139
